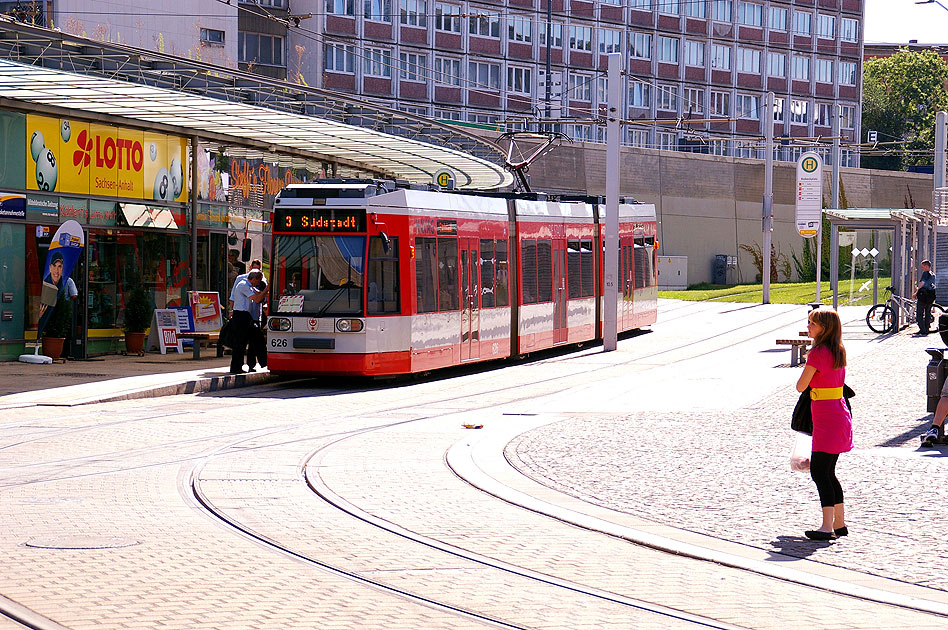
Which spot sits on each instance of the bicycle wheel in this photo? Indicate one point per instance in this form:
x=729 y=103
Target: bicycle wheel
x=880 y=318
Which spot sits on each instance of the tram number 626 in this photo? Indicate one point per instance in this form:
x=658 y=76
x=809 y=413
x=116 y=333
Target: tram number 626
x=277 y=343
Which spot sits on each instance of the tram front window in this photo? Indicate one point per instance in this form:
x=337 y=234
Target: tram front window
x=325 y=271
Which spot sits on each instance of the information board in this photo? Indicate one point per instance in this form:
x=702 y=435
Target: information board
x=165 y=326
x=809 y=194
x=205 y=311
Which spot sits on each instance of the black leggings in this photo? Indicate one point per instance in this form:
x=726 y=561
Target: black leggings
x=823 y=472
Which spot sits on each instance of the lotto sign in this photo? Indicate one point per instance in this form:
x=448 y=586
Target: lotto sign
x=809 y=194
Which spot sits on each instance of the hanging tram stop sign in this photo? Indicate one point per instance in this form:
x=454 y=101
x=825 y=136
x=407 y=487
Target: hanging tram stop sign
x=809 y=200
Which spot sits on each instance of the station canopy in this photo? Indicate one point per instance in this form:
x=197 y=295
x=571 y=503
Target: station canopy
x=247 y=114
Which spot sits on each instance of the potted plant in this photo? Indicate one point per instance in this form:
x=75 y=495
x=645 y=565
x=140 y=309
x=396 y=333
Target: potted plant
x=137 y=320
x=57 y=327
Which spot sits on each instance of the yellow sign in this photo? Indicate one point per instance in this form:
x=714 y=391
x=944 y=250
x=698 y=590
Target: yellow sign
x=72 y=157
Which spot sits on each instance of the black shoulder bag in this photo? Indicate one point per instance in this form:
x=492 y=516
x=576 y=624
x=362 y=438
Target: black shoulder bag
x=802 y=419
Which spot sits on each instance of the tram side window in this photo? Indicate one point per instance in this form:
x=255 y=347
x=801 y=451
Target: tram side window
x=586 y=254
x=574 y=271
x=500 y=273
x=383 y=290
x=426 y=274
x=545 y=270
x=528 y=257
x=644 y=266
x=487 y=273
x=447 y=274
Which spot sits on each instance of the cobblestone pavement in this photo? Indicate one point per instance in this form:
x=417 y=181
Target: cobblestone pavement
x=102 y=528
x=668 y=464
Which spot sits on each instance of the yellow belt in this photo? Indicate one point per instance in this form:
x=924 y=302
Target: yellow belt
x=826 y=393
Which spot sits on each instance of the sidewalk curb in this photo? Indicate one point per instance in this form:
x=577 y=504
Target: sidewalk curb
x=219 y=383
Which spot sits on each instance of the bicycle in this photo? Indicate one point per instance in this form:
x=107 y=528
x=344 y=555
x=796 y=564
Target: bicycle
x=881 y=317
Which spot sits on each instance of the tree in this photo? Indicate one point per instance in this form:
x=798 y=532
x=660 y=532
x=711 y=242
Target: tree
x=901 y=95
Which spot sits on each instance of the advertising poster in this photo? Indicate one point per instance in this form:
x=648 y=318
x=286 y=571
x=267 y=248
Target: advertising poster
x=43 y=158
x=64 y=251
x=76 y=145
x=205 y=311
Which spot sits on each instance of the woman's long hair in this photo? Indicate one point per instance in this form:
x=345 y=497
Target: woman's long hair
x=830 y=335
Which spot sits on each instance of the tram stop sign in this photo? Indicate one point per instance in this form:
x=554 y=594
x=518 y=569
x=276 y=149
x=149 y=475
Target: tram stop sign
x=444 y=178
x=809 y=197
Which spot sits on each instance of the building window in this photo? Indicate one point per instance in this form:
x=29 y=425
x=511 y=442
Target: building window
x=720 y=57
x=378 y=62
x=448 y=114
x=778 y=19
x=264 y=50
x=721 y=10
x=668 y=6
x=340 y=58
x=602 y=90
x=799 y=112
x=340 y=7
x=413 y=13
x=520 y=29
x=748 y=60
x=694 y=101
x=719 y=147
x=484 y=75
x=801 y=23
x=609 y=41
x=823 y=115
x=413 y=67
x=556 y=34
x=580 y=87
x=666 y=98
x=778 y=110
x=801 y=68
x=640 y=4
x=639 y=94
x=414 y=109
x=777 y=64
x=847 y=118
x=580 y=38
x=519 y=80
x=667 y=49
x=447 y=71
x=849 y=30
x=640 y=45
x=847 y=73
x=482 y=119
x=638 y=138
x=212 y=36
x=447 y=17
x=581 y=133
x=378 y=10
x=484 y=24
x=694 y=53
x=721 y=104
x=694 y=8
x=667 y=141
x=826 y=26
x=748 y=106
x=750 y=14
x=824 y=70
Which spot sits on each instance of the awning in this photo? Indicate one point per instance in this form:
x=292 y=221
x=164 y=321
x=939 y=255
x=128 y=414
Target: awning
x=140 y=215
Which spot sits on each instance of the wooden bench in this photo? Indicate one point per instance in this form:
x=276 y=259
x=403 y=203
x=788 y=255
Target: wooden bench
x=798 y=348
x=197 y=338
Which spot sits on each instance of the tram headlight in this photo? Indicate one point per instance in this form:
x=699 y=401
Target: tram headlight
x=349 y=325
x=281 y=324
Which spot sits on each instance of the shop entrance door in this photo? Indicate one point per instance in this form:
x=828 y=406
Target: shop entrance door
x=78 y=333
x=560 y=328
x=470 y=298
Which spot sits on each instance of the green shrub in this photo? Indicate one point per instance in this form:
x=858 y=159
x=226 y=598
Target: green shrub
x=60 y=319
x=138 y=312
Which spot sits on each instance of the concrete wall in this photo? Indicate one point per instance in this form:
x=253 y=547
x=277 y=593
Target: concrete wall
x=710 y=205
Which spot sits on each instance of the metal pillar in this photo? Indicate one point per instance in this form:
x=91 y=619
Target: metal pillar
x=611 y=260
x=195 y=186
x=767 y=220
x=834 y=264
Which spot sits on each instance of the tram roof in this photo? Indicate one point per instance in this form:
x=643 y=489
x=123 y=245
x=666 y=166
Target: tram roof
x=50 y=72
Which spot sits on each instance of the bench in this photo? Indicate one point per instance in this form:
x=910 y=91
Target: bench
x=200 y=337
x=798 y=348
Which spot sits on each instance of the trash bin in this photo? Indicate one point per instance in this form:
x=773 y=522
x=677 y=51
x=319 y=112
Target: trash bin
x=719 y=269
x=935 y=374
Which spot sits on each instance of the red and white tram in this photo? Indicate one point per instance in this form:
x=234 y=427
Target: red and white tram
x=374 y=278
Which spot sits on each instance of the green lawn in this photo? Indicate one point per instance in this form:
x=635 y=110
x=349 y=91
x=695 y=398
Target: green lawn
x=781 y=292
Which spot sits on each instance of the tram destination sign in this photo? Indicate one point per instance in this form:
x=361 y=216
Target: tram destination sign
x=310 y=219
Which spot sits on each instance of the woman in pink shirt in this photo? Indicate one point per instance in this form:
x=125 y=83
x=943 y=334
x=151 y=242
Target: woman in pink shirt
x=825 y=373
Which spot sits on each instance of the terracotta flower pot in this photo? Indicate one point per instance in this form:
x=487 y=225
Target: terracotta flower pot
x=134 y=342
x=53 y=346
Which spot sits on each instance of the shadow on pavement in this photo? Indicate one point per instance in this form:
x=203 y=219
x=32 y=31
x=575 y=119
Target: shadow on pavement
x=906 y=436
x=795 y=547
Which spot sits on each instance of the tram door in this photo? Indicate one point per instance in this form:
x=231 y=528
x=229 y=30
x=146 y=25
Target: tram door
x=626 y=303
x=560 y=329
x=470 y=298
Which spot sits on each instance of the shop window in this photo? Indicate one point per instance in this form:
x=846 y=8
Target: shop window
x=426 y=274
x=447 y=274
x=382 y=276
x=528 y=257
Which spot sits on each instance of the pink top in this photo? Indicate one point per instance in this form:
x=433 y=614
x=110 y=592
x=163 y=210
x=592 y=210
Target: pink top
x=832 y=422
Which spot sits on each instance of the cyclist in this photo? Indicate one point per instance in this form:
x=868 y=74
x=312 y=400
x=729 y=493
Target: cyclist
x=925 y=294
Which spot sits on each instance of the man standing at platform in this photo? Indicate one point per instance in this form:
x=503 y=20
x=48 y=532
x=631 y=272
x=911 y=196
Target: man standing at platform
x=245 y=293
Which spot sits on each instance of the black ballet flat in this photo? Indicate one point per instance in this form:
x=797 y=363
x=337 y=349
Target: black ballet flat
x=815 y=534
x=842 y=531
